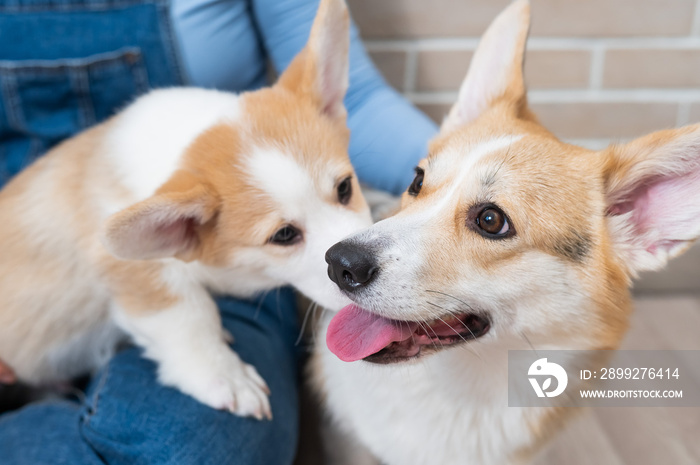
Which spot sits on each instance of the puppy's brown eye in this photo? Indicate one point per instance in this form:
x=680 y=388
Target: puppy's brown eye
x=286 y=235
x=417 y=183
x=345 y=190
x=492 y=223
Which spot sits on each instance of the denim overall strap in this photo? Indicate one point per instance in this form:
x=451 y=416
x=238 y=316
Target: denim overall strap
x=66 y=65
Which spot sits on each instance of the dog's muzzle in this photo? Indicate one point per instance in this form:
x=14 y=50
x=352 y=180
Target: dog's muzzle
x=351 y=266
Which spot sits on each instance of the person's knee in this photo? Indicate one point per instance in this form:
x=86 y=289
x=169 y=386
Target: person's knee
x=44 y=432
x=131 y=418
x=215 y=437
x=170 y=427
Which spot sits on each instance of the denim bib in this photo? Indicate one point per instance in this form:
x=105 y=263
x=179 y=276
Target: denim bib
x=66 y=65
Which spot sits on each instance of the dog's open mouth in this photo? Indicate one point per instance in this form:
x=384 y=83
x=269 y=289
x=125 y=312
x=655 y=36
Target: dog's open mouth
x=356 y=334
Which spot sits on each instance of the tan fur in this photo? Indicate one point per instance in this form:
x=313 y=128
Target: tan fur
x=70 y=229
x=305 y=75
x=137 y=286
x=555 y=190
x=585 y=222
x=43 y=247
x=554 y=194
x=219 y=155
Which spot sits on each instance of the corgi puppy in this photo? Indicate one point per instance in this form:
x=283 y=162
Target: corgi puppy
x=128 y=227
x=507 y=239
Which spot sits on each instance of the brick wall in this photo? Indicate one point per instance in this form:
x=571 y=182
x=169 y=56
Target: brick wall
x=597 y=70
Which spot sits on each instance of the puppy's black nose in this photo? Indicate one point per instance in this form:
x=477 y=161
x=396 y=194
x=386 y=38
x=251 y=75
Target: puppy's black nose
x=350 y=266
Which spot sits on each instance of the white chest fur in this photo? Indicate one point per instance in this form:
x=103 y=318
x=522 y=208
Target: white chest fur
x=449 y=408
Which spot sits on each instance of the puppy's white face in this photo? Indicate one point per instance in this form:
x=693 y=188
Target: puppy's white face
x=302 y=196
x=263 y=197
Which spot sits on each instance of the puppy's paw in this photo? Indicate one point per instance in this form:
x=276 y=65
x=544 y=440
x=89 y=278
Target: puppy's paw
x=240 y=390
x=229 y=384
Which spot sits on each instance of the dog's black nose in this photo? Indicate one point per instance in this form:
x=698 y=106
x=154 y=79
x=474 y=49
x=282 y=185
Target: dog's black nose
x=350 y=266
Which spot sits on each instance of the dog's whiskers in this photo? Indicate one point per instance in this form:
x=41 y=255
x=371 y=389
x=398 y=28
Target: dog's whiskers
x=323 y=312
x=261 y=300
x=424 y=325
x=303 y=323
x=409 y=328
x=524 y=336
x=467 y=346
x=451 y=297
x=314 y=309
x=434 y=316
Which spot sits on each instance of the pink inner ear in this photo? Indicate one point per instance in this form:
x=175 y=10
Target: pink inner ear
x=635 y=199
x=177 y=235
x=665 y=210
x=332 y=98
x=330 y=88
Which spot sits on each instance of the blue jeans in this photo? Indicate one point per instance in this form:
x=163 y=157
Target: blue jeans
x=129 y=418
x=66 y=65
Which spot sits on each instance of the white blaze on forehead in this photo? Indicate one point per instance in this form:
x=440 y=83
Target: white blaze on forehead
x=468 y=164
x=281 y=177
x=409 y=235
x=398 y=226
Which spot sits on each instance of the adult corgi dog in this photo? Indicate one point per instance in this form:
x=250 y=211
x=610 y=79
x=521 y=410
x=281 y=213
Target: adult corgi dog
x=507 y=239
x=130 y=225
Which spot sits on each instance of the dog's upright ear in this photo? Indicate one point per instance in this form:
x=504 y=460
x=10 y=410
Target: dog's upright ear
x=652 y=188
x=167 y=224
x=320 y=71
x=496 y=71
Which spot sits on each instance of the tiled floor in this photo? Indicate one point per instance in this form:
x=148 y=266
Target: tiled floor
x=640 y=436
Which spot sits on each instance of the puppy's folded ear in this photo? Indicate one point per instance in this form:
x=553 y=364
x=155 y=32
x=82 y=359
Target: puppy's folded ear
x=320 y=71
x=653 y=196
x=496 y=71
x=168 y=224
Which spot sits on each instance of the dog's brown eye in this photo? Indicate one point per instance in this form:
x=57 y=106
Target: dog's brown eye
x=286 y=235
x=345 y=190
x=417 y=183
x=493 y=222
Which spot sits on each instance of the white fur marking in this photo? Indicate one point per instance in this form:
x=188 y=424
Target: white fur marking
x=476 y=155
x=281 y=177
x=277 y=173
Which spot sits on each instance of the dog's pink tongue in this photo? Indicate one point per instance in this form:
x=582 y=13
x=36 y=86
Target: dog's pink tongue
x=354 y=333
